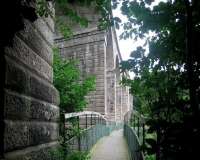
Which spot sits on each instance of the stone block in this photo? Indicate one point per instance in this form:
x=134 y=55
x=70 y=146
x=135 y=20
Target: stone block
x=20 y=134
x=45 y=30
x=50 y=20
x=100 y=109
x=23 y=81
x=41 y=90
x=16 y=79
x=19 y=107
x=35 y=41
x=21 y=52
x=39 y=152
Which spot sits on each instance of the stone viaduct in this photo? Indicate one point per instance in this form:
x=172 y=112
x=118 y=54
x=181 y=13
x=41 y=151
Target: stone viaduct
x=99 y=55
x=29 y=103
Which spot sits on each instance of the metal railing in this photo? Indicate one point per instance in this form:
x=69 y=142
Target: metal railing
x=134 y=132
x=84 y=129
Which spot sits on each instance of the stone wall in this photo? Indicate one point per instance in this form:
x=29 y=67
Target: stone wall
x=125 y=100
x=99 y=55
x=88 y=48
x=30 y=99
x=118 y=97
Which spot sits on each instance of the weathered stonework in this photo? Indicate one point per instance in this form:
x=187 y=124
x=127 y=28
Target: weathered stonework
x=30 y=100
x=30 y=113
x=99 y=55
x=117 y=104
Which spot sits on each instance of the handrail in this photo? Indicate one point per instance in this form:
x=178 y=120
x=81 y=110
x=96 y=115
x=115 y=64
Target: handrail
x=84 y=129
x=135 y=113
x=134 y=132
x=76 y=114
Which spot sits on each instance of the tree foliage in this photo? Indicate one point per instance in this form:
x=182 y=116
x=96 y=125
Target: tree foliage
x=72 y=89
x=59 y=154
x=167 y=82
x=71 y=86
x=103 y=7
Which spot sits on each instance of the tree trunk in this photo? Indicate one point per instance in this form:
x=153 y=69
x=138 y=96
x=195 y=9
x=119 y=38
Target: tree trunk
x=158 y=157
x=190 y=58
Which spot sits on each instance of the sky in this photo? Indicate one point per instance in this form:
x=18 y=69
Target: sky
x=129 y=45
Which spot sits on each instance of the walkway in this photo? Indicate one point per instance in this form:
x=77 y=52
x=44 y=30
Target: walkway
x=112 y=147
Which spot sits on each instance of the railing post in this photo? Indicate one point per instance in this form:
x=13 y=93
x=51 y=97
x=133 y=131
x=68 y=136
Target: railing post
x=86 y=121
x=91 y=142
x=79 y=138
x=143 y=130
x=138 y=128
x=91 y=120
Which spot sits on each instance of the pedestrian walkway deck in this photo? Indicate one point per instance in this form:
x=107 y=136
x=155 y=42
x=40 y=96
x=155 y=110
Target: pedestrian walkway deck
x=112 y=147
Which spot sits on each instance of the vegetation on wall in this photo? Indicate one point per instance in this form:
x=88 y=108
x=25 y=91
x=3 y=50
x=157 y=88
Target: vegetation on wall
x=73 y=90
x=71 y=86
x=64 y=7
x=166 y=83
x=32 y=9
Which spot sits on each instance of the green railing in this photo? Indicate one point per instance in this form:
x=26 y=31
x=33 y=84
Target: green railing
x=84 y=129
x=134 y=132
